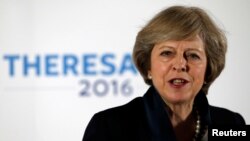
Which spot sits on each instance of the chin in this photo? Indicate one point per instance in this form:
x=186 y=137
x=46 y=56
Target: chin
x=178 y=99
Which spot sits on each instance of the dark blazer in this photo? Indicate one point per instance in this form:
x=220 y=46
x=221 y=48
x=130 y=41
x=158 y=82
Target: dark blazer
x=145 y=119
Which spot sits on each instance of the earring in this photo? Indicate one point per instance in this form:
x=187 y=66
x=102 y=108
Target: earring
x=149 y=76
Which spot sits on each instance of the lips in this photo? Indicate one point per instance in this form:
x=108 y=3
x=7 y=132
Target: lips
x=178 y=81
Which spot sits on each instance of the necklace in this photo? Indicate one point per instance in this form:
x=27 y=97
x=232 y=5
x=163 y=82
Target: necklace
x=197 y=127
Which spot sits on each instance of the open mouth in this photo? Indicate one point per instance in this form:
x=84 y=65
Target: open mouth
x=178 y=81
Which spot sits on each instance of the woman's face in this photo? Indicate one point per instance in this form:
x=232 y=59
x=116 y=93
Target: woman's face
x=178 y=69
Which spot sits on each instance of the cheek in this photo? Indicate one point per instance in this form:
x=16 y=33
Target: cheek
x=199 y=73
x=158 y=68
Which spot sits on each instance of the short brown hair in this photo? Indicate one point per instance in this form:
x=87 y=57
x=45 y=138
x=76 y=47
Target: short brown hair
x=178 y=23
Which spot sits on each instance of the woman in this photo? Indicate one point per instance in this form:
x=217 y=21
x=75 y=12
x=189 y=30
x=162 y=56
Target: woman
x=179 y=53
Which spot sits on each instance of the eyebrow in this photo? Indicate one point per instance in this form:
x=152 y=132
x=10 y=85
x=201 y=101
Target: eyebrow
x=188 y=49
x=164 y=46
x=195 y=49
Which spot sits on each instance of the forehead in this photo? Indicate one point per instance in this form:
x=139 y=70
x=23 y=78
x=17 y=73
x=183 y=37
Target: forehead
x=192 y=43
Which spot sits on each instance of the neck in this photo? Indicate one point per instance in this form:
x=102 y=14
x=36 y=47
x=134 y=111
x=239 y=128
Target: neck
x=184 y=121
x=179 y=113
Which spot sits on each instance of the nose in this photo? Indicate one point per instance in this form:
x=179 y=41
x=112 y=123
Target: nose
x=180 y=64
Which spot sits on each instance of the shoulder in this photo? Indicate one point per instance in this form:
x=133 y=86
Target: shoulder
x=122 y=122
x=128 y=109
x=124 y=116
x=225 y=117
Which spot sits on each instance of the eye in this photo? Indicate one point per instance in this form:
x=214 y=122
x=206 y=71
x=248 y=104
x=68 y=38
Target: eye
x=193 y=56
x=166 y=53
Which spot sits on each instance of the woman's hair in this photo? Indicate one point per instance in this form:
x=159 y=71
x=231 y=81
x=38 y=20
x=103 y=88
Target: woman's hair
x=179 y=23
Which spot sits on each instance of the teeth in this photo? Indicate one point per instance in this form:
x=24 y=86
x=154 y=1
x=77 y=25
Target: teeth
x=178 y=81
